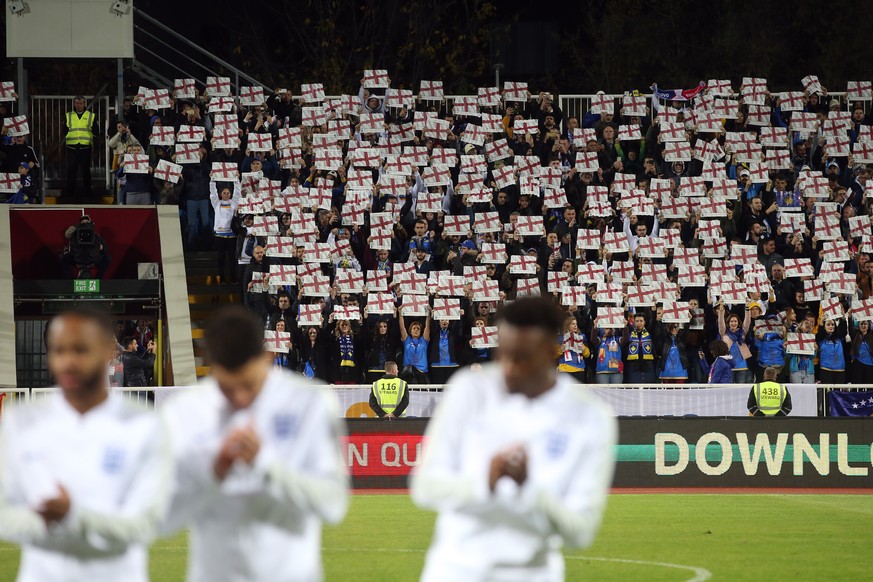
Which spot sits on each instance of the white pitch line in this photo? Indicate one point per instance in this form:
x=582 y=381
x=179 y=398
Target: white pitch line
x=700 y=574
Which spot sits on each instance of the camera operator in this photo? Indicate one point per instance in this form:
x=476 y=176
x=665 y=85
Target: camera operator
x=85 y=250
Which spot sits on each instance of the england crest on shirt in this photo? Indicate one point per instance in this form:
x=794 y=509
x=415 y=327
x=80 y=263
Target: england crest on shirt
x=284 y=425
x=113 y=460
x=556 y=444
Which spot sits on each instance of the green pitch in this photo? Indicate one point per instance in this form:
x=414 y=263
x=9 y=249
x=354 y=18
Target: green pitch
x=644 y=537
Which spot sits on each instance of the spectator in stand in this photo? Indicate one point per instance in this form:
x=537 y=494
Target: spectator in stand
x=734 y=335
x=801 y=368
x=831 y=340
x=345 y=352
x=574 y=350
x=314 y=353
x=443 y=350
x=770 y=340
x=639 y=365
x=673 y=359
x=255 y=297
x=135 y=365
x=382 y=347
x=721 y=370
x=27 y=192
x=195 y=194
x=608 y=362
x=862 y=353
x=136 y=188
x=119 y=143
x=415 y=342
x=288 y=361
x=224 y=204
x=79 y=130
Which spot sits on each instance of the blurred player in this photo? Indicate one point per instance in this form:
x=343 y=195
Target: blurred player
x=84 y=476
x=518 y=461
x=258 y=455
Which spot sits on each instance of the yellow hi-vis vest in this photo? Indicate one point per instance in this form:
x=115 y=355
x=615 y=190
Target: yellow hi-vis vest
x=769 y=396
x=79 y=128
x=389 y=392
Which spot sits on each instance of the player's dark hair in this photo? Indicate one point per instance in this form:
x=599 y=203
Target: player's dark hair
x=92 y=314
x=234 y=337
x=538 y=312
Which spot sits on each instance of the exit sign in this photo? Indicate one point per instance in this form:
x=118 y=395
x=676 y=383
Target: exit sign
x=86 y=286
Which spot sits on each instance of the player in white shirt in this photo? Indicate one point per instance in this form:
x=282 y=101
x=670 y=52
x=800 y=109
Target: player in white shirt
x=517 y=461
x=259 y=463
x=84 y=476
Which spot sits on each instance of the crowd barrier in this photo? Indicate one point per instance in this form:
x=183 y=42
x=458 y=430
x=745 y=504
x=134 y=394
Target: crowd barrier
x=809 y=400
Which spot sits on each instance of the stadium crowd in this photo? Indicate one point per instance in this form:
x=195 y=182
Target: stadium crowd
x=677 y=230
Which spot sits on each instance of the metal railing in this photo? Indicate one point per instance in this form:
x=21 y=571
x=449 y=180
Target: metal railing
x=47 y=118
x=579 y=104
x=177 y=54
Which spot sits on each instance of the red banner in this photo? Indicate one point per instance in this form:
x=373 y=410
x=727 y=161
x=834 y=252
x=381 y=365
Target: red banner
x=381 y=454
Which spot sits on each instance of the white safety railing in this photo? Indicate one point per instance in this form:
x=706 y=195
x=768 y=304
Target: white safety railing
x=626 y=399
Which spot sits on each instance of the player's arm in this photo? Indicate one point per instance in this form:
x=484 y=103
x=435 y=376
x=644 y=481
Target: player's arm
x=18 y=523
x=437 y=482
x=194 y=484
x=143 y=508
x=576 y=513
x=323 y=486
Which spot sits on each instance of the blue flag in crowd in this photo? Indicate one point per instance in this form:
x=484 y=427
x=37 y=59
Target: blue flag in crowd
x=851 y=403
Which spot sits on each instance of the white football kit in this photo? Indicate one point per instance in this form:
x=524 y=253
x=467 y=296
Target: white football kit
x=114 y=461
x=263 y=522
x=515 y=533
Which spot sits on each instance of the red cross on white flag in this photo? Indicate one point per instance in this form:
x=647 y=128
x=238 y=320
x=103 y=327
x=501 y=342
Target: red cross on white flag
x=859 y=91
x=282 y=275
x=792 y=101
x=136 y=164
x=863 y=310
x=488 y=96
x=629 y=132
x=486 y=290
x=590 y=273
x=487 y=222
x=312 y=92
x=800 y=344
x=259 y=142
x=217 y=87
x=431 y=91
x=313 y=116
x=310 y=315
x=168 y=171
x=798 y=268
x=224 y=172
x=380 y=304
x=483 y=337
x=525 y=126
x=805 y=122
x=530 y=226
x=522 y=265
x=572 y=295
x=414 y=305
x=16 y=126
x=610 y=317
x=315 y=285
x=527 y=287
x=556 y=281
x=515 y=91
x=184 y=89
x=588 y=238
x=349 y=280
x=456 y=225
x=640 y=296
x=719 y=87
x=251 y=96
x=376 y=79
x=448 y=309
x=504 y=176
x=10 y=182
x=277 y=341
x=451 y=286
x=280 y=246
x=677 y=151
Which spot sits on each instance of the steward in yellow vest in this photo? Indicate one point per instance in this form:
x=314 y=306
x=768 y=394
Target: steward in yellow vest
x=769 y=398
x=389 y=395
